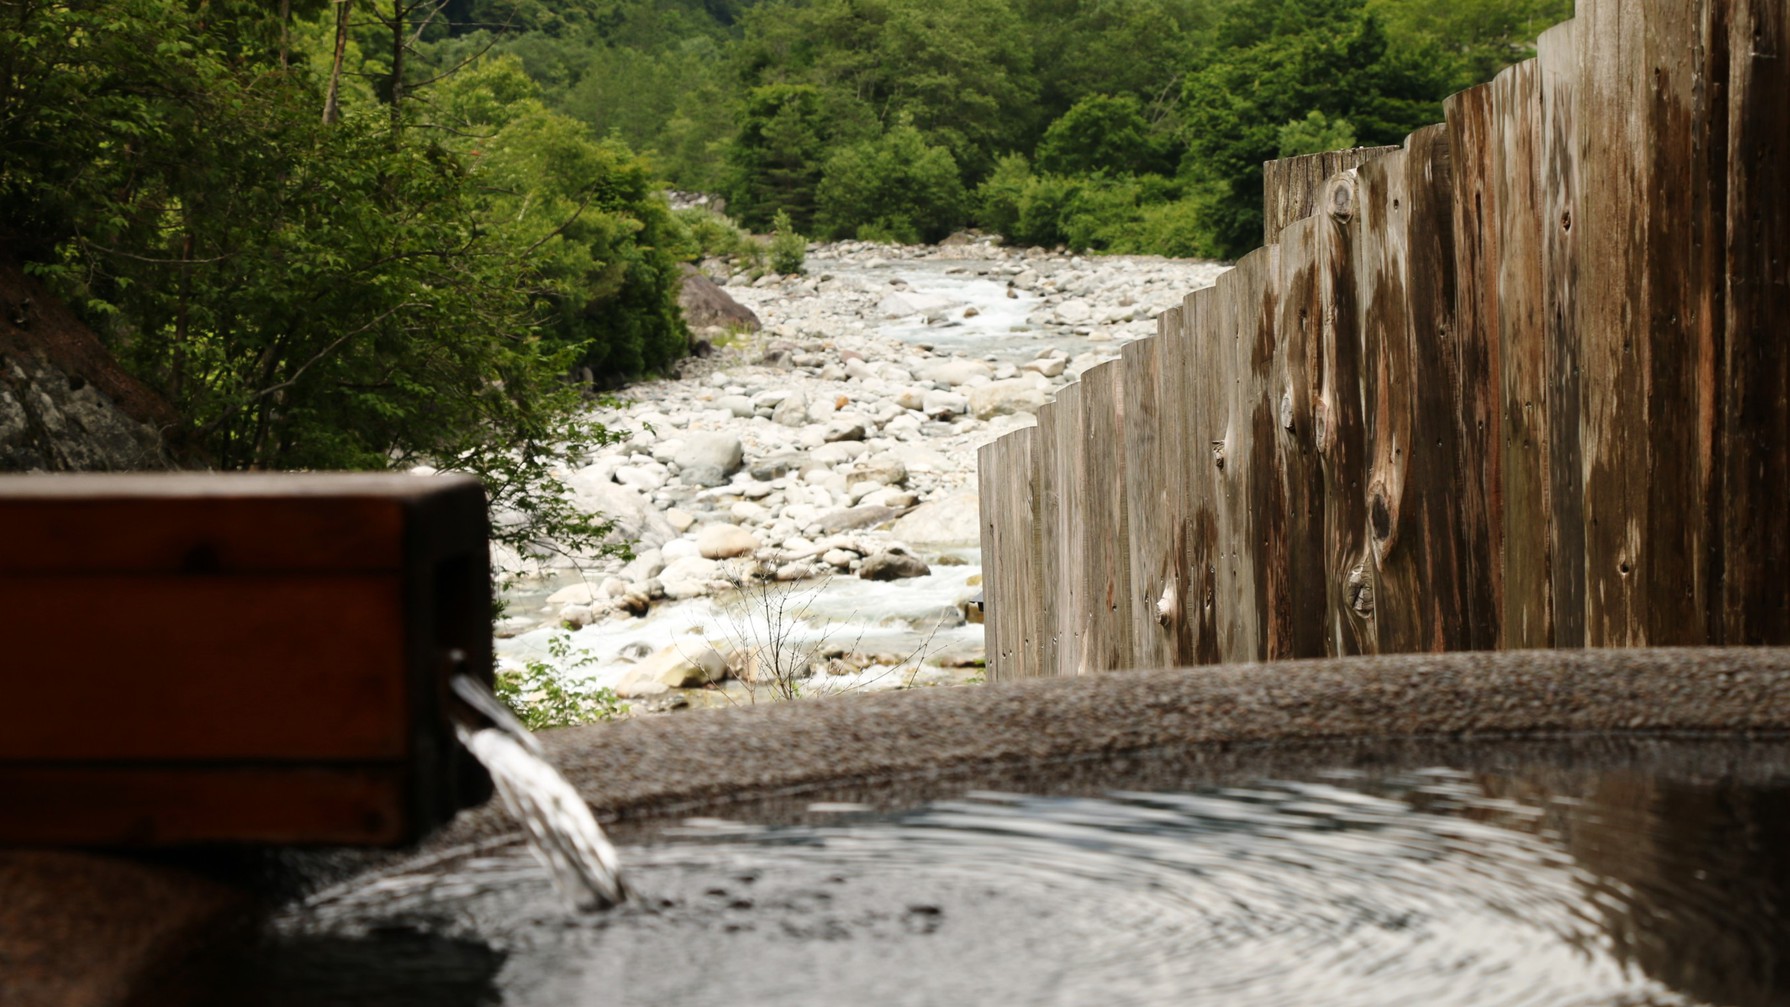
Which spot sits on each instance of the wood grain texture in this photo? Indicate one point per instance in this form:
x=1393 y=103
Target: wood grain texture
x=1295 y=575
x=1149 y=508
x=1105 y=564
x=1557 y=61
x=1339 y=425
x=206 y=668
x=1755 y=607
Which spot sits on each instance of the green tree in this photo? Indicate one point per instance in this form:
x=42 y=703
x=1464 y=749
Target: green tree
x=896 y=188
x=1103 y=133
x=1315 y=134
x=959 y=73
x=1282 y=59
x=354 y=294
x=602 y=259
x=774 y=163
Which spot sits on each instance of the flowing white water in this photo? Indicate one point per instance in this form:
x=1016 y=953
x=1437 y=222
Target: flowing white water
x=561 y=830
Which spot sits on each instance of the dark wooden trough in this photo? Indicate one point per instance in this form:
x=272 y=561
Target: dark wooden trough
x=236 y=658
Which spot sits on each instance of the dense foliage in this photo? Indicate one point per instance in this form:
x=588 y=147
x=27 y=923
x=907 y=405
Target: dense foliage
x=1119 y=125
x=387 y=260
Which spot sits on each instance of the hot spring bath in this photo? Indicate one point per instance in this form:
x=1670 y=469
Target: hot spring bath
x=1560 y=828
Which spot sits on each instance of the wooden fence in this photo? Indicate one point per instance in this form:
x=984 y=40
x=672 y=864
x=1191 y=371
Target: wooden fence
x=1523 y=382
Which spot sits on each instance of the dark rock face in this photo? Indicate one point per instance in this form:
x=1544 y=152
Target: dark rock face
x=65 y=403
x=706 y=305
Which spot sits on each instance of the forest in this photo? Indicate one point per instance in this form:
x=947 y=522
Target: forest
x=372 y=233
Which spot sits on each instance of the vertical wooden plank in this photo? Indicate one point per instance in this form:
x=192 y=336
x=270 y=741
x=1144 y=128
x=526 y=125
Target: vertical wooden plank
x=1198 y=374
x=1339 y=428
x=1388 y=377
x=1012 y=561
x=1147 y=507
x=1755 y=606
x=1525 y=412
x=1557 y=63
x=991 y=490
x=1243 y=458
x=1107 y=564
x=1045 y=624
x=1295 y=581
x=1612 y=318
x=1472 y=134
x=1682 y=326
x=1174 y=401
x=1073 y=535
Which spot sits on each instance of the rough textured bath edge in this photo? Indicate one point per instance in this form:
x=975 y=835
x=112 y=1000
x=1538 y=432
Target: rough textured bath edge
x=630 y=768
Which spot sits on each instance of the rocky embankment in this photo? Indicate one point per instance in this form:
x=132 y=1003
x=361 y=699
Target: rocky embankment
x=835 y=446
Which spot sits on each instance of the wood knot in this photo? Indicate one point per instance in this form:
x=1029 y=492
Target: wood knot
x=1342 y=199
x=1320 y=424
x=1218 y=454
x=1381 y=518
x=1286 y=411
x=1358 y=590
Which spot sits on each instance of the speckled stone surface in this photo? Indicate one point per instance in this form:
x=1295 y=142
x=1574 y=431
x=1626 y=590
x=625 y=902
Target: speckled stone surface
x=647 y=766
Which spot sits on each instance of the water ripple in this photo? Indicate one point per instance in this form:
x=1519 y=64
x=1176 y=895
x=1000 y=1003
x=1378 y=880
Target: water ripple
x=1427 y=888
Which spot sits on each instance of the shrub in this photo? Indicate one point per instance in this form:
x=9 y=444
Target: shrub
x=544 y=694
x=788 y=249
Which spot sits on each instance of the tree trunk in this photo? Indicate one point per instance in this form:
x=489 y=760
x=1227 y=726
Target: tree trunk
x=331 y=110
x=398 y=12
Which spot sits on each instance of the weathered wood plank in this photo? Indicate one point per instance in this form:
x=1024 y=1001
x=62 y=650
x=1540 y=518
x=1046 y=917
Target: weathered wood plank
x=1339 y=428
x=1174 y=397
x=1525 y=412
x=1045 y=624
x=1388 y=378
x=1612 y=319
x=1682 y=326
x=1755 y=606
x=1413 y=498
x=1075 y=544
x=1107 y=560
x=1557 y=61
x=1199 y=366
x=1148 y=506
x=1242 y=450
x=996 y=506
x=1295 y=581
x=1290 y=185
x=1473 y=120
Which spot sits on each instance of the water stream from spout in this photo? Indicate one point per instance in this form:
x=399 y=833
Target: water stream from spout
x=561 y=830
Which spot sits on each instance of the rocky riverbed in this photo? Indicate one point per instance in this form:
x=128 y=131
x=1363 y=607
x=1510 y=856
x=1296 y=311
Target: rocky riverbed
x=802 y=502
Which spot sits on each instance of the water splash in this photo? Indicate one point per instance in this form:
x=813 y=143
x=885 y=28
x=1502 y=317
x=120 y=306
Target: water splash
x=561 y=830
